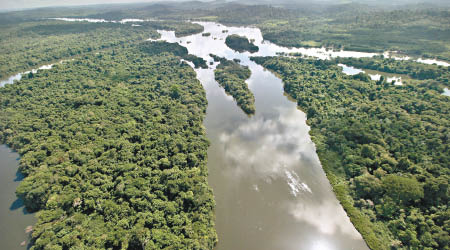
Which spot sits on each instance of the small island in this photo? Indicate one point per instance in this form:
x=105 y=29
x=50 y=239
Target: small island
x=231 y=76
x=240 y=44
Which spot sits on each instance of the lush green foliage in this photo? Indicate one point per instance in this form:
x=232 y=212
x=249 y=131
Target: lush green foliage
x=114 y=152
x=30 y=44
x=413 y=69
x=231 y=76
x=113 y=147
x=413 y=32
x=181 y=28
x=158 y=47
x=240 y=44
x=384 y=148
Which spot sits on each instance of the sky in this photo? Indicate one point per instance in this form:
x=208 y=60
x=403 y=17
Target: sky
x=20 y=4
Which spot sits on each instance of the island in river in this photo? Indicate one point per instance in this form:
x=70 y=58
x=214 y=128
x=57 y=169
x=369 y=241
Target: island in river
x=231 y=76
x=240 y=44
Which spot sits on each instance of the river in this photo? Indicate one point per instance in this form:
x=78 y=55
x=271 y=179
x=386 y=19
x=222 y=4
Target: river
x=270 y=189
x=13 y=216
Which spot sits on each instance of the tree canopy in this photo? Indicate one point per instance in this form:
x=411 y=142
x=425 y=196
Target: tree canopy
x=231 y=76
x=114 y=152
x=240 y=44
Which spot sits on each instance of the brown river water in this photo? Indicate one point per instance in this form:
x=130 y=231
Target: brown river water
x=270 y=189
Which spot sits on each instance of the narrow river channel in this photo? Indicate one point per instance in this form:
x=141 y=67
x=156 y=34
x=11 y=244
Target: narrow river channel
x=14 y=219
x=269 y=186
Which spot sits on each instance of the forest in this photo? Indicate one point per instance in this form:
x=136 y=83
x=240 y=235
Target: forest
x=420 y=71
x=383 y=147
x=240 y=44
x=158 y=47
x=114 y=152
x=30 y=44
x=415 y=32
x=113 y=145
x=231 y=76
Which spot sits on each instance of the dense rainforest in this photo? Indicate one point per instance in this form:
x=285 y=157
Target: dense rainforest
x=114 y=152
x=421 y=30
x=157 y=47
x=113 y=147
x=420 y=71
x=240 y=44
x=231 y=76
x=418 y=30
x=29 y=44
x=414 y=32
x=383 y=147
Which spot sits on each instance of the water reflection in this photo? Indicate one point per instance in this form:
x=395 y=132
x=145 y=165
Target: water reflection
x=349 y=70
x=270 y=189
x=446 y=92
x=18 y=76
x=14 y=218
x=321 y=53
x=397 y=80
x=433 y=61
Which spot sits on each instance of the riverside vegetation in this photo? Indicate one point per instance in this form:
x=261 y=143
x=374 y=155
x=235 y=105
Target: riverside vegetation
x=231 y=76
x=419 y=30
x=416 y=30
x=420 y=71
x=383 y=147
x=240 y=44
x=29 y=44
x=113 y=147
x=114 y=151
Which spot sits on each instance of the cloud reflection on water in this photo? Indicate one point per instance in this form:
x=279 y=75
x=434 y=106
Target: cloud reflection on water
x=270 y=189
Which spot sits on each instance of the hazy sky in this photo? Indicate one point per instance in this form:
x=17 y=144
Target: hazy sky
x=15 y=4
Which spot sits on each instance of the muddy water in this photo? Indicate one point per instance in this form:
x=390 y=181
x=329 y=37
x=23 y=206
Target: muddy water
x=269 y=186
x=13 y=216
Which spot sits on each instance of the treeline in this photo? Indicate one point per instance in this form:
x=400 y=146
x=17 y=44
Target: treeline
x=181 y=28
x=240 y=44
x=413 y=69
x=231 y=76
x=383 y=147
x=114 y=152
x=413 y=32
x=28 y=45
x=158 y=47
